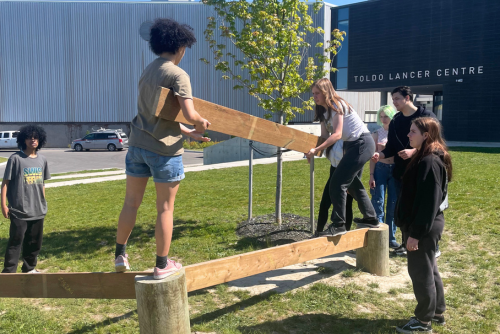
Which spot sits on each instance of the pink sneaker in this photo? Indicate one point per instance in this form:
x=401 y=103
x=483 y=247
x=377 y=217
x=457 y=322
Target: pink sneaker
x=171 y=268
x=121 y=264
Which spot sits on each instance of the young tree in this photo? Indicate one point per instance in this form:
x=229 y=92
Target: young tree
x=272 y=37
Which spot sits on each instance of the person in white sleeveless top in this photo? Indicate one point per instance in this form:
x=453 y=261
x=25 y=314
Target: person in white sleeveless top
x=381 y=180
x=359 y=147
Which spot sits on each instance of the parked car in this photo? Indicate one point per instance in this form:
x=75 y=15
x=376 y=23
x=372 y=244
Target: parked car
x=8 y=139
x=110 y=139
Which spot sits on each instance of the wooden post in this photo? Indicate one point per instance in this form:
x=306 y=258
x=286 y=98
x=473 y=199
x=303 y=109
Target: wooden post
x=162 y=305
x=374 y=256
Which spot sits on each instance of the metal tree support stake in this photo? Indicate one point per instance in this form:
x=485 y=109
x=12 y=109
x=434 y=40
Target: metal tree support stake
x=311 y=194
x=250 y=181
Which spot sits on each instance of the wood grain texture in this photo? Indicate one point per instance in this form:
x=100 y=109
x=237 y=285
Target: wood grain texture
x=236 y=123
x=374 y=257
x=162 y=305
x=228 y=269
x=198 y=276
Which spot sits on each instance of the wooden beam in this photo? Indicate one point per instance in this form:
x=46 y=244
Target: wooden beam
x=236 y=123
x=69 y=285
x=231 y=268
x=198 y=276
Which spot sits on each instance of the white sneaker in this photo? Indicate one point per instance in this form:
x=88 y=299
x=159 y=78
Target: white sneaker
x=34 y=271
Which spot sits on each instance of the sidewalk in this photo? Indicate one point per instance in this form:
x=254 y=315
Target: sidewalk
x=120 y=175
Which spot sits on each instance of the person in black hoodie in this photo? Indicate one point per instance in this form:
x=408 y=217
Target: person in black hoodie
x=420 y=217
x=398 y=145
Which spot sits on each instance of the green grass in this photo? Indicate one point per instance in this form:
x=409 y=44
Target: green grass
x=2 y=159
x=79 y=236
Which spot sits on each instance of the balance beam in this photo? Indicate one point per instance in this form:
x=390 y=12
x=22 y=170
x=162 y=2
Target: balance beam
x=198 y=276
x=236 y=123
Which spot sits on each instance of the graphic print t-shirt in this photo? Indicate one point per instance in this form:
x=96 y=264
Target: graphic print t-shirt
x=25 y=190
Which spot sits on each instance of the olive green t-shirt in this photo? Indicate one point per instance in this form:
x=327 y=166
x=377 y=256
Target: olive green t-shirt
x=148 y=131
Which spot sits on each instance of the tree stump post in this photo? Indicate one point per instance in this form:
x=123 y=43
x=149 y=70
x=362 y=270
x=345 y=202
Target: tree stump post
x=162 y=305
x=374 y=256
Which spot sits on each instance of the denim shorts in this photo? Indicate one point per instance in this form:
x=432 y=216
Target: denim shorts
x=143 y=163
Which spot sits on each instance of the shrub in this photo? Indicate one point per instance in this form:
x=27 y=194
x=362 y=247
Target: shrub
x=196 y=145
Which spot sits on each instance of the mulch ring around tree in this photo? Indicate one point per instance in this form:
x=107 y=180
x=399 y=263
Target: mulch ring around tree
x=265 y=230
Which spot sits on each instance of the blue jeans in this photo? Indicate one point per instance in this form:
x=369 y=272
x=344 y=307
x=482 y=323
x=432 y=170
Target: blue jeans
x=143 y=163
x=385 y=182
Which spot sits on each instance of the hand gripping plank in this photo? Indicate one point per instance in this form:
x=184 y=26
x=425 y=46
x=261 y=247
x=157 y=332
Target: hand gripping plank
x=236 y=123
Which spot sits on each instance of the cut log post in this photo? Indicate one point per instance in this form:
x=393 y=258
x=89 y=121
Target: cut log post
x=162 y=305
x=374 y=256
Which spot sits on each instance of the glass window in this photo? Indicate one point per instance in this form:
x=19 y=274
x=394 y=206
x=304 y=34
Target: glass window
x=6 y=135
x=89 y=137
x=14 y=134
x=343 y=54
x=112 y=136
x=123 y=135
x=343 y=14
x=341 y=78
x=101 y=136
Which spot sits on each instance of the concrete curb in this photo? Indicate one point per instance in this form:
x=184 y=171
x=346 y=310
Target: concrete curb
x=71 y=176
x=195 y=168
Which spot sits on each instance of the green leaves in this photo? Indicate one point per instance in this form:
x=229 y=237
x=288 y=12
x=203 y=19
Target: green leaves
x=272 y=38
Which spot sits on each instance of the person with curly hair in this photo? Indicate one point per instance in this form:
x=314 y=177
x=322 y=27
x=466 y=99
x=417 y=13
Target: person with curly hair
x=155 y=144
x=24 y=190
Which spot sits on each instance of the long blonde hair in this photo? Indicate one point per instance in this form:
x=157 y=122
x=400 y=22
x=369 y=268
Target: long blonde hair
x=333 y=100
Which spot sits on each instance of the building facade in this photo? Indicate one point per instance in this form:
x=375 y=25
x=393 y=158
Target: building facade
x=72 y=66
x=446 y=49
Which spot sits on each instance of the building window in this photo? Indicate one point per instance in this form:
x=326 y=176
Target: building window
x=343 y=14
x=341 y=78
x=438 y=105
x=343 y=54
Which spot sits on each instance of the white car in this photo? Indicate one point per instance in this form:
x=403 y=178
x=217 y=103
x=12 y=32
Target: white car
x=8 y=139
x=110 y=139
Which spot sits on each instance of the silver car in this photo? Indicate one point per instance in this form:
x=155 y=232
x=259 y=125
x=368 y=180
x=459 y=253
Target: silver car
x=110 y=139
x=8 y=139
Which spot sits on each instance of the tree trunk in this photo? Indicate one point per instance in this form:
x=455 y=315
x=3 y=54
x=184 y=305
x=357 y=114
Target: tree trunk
x=279 y=177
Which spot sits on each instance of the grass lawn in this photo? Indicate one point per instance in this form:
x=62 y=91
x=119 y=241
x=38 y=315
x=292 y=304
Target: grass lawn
x=2 y=159
x=80 y=236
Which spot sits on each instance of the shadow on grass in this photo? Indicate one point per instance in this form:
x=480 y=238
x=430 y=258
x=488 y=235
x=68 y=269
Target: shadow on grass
x=94 y=327
x=324 y=323
x=81 y=242
x=207 y=317
x=334 y=267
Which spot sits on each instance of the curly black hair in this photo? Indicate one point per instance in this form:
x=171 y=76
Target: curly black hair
x=31 y=131
x=167 y=35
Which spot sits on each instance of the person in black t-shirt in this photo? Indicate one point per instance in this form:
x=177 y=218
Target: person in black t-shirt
x=398 y=144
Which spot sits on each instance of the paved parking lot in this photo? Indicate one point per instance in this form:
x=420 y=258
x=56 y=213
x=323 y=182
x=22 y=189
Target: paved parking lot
x=63 y=160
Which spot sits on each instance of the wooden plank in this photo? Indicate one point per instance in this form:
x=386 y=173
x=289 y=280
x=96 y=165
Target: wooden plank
x=198 y=276
x=69 y=285
x=236 y=123
x=231 y=268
